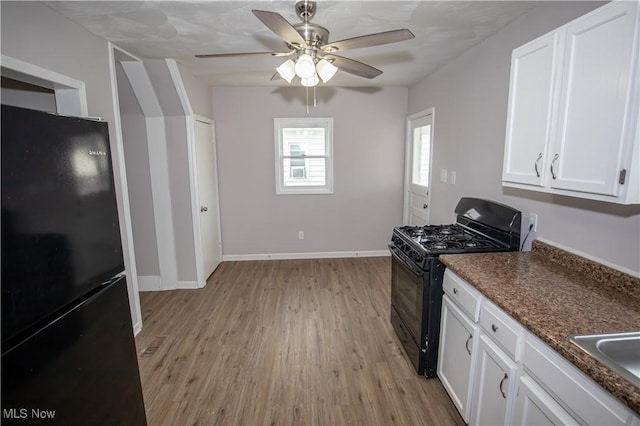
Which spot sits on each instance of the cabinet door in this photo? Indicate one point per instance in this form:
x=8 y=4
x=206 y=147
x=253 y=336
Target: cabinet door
x=458 y=343
x=535 y=67
x=535 y=407
x=595 y=99
x=495 y=384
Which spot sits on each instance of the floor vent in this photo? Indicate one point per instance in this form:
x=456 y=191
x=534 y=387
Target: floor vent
x=153 y=347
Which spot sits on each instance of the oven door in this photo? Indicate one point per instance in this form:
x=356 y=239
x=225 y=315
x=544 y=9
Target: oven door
x=407 y=289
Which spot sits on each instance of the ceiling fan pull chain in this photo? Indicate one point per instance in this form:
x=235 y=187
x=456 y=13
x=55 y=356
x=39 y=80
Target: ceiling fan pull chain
x=314 y=96
x=307 y=100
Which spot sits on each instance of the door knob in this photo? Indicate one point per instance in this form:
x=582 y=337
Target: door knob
x=203 y=209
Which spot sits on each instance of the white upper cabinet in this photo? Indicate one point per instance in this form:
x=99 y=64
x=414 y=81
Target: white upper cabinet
x=535 y=67
x=572 y=126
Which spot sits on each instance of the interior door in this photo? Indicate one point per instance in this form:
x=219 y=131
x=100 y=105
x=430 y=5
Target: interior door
x=418 y=168
x=208 y=196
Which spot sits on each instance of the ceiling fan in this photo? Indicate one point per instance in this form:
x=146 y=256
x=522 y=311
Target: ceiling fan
x=315 y=56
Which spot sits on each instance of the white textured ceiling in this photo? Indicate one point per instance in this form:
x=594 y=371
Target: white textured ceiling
x=179 y=30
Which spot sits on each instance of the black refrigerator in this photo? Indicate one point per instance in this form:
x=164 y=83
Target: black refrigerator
x=68 y=350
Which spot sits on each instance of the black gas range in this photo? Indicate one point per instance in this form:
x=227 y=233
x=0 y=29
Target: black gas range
x=416 y=273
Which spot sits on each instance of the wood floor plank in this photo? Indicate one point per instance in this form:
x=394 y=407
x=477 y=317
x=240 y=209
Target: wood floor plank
x=284 y=342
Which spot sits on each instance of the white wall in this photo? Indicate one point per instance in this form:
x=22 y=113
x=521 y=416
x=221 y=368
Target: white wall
x=368 y=163
x=470 y=99
x=34 y=33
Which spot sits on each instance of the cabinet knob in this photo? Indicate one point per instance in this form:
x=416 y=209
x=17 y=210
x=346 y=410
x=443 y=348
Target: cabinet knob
x=494 y=327
x=455 y=290
x=203 y=209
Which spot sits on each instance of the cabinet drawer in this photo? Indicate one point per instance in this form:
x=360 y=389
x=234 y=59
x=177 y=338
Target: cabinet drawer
x=503 y=329
x=463 y=294
x=578 y=392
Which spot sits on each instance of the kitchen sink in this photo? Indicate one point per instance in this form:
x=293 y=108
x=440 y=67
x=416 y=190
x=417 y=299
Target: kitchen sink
x=618 y=351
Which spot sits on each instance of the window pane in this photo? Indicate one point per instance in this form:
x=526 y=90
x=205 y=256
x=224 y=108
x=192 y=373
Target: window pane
x=304 y=150
x=421 y=153
x=307 y=140
x=312 y=173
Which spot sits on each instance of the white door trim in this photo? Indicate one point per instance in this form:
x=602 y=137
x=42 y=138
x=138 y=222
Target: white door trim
x=125 y=220
x=407 y=161
x=70 y=94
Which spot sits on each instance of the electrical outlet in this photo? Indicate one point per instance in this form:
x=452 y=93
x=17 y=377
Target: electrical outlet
x=301 y=235
x=533 y=220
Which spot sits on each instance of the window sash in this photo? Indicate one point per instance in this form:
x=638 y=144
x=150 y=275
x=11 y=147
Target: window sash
x=313 y=182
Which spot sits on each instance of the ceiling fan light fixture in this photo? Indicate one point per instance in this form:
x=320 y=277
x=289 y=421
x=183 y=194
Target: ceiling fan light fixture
x=305 y=67
x=325 y=70
x=287 y=70
x=311 y=81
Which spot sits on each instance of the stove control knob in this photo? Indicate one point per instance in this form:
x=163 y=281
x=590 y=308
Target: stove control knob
x=418 y=258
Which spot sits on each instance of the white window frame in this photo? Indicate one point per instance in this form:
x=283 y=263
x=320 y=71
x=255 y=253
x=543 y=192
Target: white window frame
x=282 y=123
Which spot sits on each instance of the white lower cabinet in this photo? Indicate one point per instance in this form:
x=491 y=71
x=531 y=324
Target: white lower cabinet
x=458 y=344
x=495 y=385
x=499 y=373
x=534 y=406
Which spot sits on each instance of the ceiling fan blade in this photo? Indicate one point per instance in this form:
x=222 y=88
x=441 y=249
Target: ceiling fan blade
x=353 y=67
x=281 y=27
x=369 y=40
x=229 y=55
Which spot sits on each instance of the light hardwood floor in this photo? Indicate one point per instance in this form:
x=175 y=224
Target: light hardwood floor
x=283 y=342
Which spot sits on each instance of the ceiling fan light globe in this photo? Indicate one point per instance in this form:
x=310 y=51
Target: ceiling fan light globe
x=287 y=70
x=326 y=70
x=311 y=81
x=305 y=68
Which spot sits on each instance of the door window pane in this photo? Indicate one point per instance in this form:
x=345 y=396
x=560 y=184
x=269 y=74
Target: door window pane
x=421 y=155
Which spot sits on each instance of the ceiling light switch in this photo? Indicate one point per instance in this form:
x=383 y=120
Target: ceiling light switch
x=443 y=175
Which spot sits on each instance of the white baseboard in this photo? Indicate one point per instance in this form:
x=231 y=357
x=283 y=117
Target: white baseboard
x=310 y=255
x=187 y=285
x=154 y=283
x=137 y=328
x=149 y=283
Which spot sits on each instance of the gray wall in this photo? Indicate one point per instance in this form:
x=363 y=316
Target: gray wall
x=199 y=94
x=19 y=94
x=134 y=135
x=34 y=33
x=368 y=171
x=470 y=98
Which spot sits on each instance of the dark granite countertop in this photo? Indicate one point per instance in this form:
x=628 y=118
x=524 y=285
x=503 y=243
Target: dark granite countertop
x=554 y=293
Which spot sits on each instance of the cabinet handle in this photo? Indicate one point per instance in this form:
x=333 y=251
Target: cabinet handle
x=553 y=172
x=535 y=165
x=466 y=344
x=455 y=290
x=494 y=327
x=504 y=395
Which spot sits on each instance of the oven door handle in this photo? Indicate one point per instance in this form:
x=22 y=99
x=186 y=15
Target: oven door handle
x=405 y=261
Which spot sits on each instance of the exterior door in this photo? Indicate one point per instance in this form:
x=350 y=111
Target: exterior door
x=418 y=168
x=207 y=177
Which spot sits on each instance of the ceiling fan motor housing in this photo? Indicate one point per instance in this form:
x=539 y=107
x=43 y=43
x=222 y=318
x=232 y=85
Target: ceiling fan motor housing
x=306 y=9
